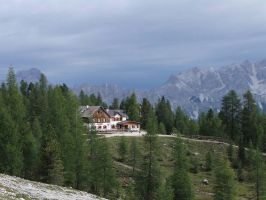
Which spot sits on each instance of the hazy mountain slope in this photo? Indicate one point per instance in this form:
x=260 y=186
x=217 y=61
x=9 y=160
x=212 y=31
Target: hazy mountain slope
x=195 y=90
x=17 y=188
x=198 y=89
x=107 y=91
x=31 y=75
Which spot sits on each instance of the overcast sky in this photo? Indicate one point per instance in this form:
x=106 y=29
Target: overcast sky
x=134 y=43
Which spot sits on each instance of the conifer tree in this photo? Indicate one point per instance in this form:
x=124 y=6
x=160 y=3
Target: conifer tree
x=166 y=191
x=210 y=124
x=59 y=119
x=133 y=108
x=30 y=153
x=249 y=119
x=230 y=152
x=80 y=149
x=102 y=177
x=209 y=161
x=164 y=114
x=148 y=178
x=241 y=150
x=181 y=121
x=231 y=115
x=115 y=104
x=161 y=128
x=134 y=155
x=225 y=186
x=146 y=108
x=122 y=148
x=258 y=171
x=16 y=108
x=51 y=163
x=10 y=152
x=180 y=179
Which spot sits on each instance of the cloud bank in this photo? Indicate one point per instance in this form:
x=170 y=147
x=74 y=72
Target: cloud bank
x=132 y=43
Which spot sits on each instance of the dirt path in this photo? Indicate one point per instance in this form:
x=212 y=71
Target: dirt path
x=125 y=166
x=142 y=133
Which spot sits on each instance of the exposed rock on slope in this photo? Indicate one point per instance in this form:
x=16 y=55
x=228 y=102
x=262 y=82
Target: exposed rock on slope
x=18 y=188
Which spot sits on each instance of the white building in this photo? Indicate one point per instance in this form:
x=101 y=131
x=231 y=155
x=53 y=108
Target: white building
x=106 y=120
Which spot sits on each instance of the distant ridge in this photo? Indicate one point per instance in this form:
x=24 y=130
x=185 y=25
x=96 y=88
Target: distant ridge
x=198 y=89
x=195 y=90
x=31 y=75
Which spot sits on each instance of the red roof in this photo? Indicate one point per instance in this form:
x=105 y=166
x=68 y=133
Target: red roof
x=128 y=122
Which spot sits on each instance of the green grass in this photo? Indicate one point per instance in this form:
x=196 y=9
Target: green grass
x=199 y=149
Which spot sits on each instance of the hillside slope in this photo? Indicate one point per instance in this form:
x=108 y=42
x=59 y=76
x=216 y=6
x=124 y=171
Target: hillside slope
x=196 y=150
x=18 y=188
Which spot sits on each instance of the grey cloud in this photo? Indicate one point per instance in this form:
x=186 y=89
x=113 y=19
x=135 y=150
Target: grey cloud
x=93 y=41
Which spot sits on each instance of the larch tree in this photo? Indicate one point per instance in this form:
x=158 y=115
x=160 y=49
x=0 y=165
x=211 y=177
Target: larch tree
x=249 y=119
x=149 y=177
x=225 y=185
x=10 y=152
x=146 y=108
x=230 y=115
x=164 y=114
x=122 y=149
x=133 y=108
x=180 y=179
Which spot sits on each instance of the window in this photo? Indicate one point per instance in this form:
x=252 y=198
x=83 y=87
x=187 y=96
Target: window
x=99 y=127
x=104 y=127
x=99 y=120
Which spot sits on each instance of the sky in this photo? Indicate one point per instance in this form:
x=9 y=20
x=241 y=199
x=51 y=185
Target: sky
x=132 y=43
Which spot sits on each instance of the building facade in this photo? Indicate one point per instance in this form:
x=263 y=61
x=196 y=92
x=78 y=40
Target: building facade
x=106 y=120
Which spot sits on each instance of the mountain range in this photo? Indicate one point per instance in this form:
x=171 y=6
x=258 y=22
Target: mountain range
x=195 y=90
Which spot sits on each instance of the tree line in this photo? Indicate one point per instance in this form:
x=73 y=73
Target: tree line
x=241 y=122
x=239 y=119
x=42 y=138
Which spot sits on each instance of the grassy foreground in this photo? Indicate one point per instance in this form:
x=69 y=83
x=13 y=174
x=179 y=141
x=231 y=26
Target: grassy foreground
x=194 y=149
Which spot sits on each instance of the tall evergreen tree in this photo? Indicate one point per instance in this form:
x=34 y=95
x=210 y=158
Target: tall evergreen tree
x=30 y=153
x=181 y=122
x=133 y=108
x=101 y=172
x=164 y=114
x=146 y=108
x=210 y=124
x=10 y=152
x=51 y=163
x=148 y=178
x=166 y=191
x=209 y=161
x=16 y=108
x=225 y=186
x=122 y=148
x=259 y=174
x=59 y=119
x=231 y=115
x=134 y=155
x=181 y=182
x=115 y=104
x=249 y=119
